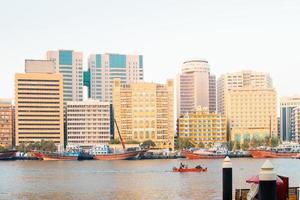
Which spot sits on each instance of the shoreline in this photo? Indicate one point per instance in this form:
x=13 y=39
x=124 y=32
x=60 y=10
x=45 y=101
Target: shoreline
x=158 y=157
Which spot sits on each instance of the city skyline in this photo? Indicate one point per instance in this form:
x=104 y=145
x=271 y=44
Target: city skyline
x=161 y=99
x=232 y=36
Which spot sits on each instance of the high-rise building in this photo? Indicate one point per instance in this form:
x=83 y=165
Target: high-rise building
x=39 y=104
x=241 y=79
x=69 y=64
x=202 y=127
x=278 y=128
x=144 y=111
x=251 y=112
x=212 y=94
x=88 y=123
x=104 y=68
x=287 y=105
x=195 y=87
x=296 y=124
x=6 y=123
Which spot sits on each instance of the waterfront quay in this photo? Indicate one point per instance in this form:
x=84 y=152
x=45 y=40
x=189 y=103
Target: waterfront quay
x=133 y=179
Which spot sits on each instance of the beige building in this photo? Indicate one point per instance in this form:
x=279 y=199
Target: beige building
x=39 y=66
x=6 y=123
x=39 y=104
x=195 y=87
x=202 y=127
x=88 y=123
x=251 y=112
x=144 y=111
x=240 y=79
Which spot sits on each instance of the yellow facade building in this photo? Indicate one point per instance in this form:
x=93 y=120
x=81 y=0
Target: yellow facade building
x=6 y=123
x=252 y=113
x=240 y=79
x=202 y=127
x=39 y=105
x=144 y=111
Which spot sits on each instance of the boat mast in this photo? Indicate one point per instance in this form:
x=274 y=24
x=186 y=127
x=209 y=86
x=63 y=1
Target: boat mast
x=121 y=139
x=270 y=140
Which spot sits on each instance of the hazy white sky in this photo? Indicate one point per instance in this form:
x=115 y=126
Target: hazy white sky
x=231 y=34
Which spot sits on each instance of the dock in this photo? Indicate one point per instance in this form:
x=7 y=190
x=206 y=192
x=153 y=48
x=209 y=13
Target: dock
x=241 y=194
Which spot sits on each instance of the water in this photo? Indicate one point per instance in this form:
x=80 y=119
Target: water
x=142 y=179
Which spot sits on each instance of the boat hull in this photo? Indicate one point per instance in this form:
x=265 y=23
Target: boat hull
x=189 y=169
x=7 y=155
x=271 y=154
x=50 y=158
x=260 y=154
x=283 y=155
x=118 y=156
x=192 y=156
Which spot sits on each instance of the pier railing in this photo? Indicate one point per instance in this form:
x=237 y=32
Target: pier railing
x=241 y=194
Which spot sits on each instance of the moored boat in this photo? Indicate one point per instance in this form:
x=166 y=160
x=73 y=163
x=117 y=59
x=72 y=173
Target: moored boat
x=216 y=152
x=203 y=155
x=63 y=156
x=57 y=155
x=192 y=155
x=71 y=153
x=285 y=150
x=105 y=153
x=260 y=153
x=118 y=156
x=7 y=155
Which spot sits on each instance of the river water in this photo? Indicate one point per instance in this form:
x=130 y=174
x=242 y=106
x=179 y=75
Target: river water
x=130 y=179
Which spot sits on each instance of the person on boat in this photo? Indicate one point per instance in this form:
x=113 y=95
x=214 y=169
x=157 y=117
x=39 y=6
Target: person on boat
x=198 y=167
x=181 y=165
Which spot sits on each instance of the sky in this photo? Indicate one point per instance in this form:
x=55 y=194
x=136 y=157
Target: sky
x=232 y=35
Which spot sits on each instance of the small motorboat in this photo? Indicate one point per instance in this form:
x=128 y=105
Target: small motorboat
x=184 y=168
x=189 y=169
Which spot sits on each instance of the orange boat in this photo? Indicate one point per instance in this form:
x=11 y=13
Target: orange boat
x=189 y=169
x=283 y=154
x=284 y=150
x=271 y=154
x=260 y=153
